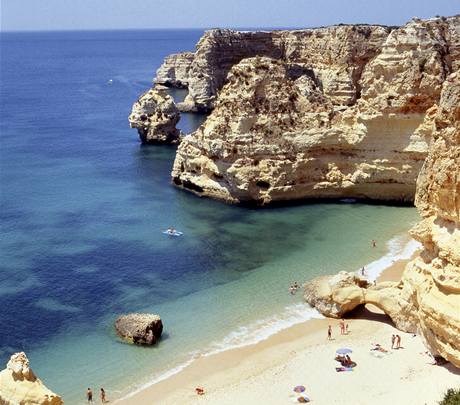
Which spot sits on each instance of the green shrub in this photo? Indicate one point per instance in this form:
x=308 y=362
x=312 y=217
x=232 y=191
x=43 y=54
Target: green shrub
x=451 y=397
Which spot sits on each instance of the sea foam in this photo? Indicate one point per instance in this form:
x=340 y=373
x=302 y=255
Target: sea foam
x=399 y=248
x=262 y=329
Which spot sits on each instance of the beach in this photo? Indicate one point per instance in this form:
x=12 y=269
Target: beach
x=268 y=371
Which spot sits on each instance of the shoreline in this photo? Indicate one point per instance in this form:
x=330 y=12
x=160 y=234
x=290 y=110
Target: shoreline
x=232 y=367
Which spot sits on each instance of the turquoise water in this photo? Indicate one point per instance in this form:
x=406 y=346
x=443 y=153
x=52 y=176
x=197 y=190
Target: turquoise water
x=83 y=204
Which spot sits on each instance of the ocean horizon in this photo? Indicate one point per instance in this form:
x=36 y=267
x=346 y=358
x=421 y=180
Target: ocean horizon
x=84 y=204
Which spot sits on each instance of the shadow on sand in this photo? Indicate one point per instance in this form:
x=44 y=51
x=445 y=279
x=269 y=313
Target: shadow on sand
x=370 y=313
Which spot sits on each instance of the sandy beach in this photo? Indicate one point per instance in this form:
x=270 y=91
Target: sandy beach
x=301 y=355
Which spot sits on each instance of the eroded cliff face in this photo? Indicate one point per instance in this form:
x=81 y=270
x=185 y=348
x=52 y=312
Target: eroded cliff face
x=427 y=299
x=340 y=114
x=431 y=283
x=19 y=385
x=338 y=54
x=174 y=71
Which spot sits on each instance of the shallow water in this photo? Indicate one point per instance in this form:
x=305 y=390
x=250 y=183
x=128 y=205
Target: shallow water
x=83 y=204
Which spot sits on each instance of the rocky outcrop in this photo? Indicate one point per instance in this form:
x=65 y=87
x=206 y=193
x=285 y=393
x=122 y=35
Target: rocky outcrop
x=333 y=112
x=155 y=116
x=20 y=386
x=328 y=49
x=431 y=283
x=338 y=294
x=427 y=299
x=216 y=52
x=174 y=71
x=141 y=329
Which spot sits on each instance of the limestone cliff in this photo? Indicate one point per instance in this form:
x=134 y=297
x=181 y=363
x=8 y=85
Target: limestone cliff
x=338 y=53
x=174 y=71
x=427 y=299
x=155 y=116
x=339 y=114
x=20 y=386
x=431 y=283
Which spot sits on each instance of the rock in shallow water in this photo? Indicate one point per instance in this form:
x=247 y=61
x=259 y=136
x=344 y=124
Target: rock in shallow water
x=19 y=385
x=141 y=329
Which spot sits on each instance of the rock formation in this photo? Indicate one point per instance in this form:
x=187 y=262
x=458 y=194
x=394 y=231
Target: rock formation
x=338 y=294
x=155 y=116
x=427 y=299
x=330 y=112
x=174 y=71
x=20 y=386
x=141 y=329
x=219 y=50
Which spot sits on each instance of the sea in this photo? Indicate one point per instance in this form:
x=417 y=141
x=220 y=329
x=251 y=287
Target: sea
x=83 y=207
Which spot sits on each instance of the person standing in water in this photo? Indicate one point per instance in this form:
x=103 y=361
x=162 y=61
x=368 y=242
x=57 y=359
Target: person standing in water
x=374 y=243
x=103 y=400
x=89 y=396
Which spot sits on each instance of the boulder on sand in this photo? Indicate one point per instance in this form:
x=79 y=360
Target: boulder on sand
x=141 y=329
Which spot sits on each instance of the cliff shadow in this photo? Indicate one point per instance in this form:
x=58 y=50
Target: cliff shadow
x=370 y=312
x=451 y=368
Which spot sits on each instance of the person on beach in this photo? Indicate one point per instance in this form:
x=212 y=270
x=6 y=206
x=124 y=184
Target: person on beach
x=346 y=329
x=103 y=400
x=398 y=342
x=342 y=327
x=347 y=361
x=89 y=396
x=393 y=338
x=329 y=332
x=363 y=271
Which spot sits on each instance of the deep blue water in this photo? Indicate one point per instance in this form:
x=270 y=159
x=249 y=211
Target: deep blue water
x=67 y=156
x=83 y=204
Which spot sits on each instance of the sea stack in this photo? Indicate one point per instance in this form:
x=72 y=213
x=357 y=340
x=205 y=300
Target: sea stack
x=427 y=299
x=155 y=116
x=322 y=113
x=19 y=385
x=140 y=329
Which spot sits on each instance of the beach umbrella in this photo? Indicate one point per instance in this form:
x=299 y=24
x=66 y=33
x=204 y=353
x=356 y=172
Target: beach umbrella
x=344 y=350
x=299 y=388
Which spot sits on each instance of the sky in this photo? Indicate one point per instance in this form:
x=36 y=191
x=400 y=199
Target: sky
x=38 y=15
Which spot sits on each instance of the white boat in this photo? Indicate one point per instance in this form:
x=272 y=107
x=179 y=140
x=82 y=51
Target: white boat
x=170 y=232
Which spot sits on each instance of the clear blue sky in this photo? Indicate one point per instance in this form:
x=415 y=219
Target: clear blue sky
x=19 y=15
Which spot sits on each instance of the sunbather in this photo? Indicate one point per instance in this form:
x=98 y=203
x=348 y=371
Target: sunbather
x=379 y=348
